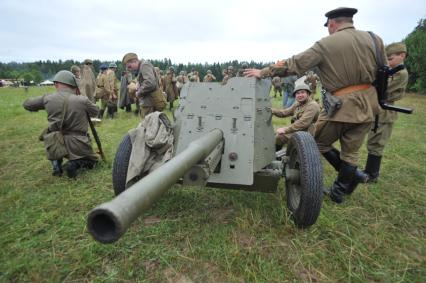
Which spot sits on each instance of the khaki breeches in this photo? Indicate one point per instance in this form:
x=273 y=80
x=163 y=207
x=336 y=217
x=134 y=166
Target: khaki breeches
x=377 y=140
x=350 y=136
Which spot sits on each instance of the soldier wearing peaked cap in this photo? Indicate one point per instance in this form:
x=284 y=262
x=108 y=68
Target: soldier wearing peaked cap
x=380 y=135
x=150 y=96
x=347 y=63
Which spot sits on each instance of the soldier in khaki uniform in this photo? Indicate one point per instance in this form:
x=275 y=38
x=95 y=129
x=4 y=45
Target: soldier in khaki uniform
x=101 y=92
x=305 y=113
x=88 y=80
x=112 y=88
x=229 y=74
x=277 y=86
x=347 y=63
x=170 y=87
x=74 y=125
x=209 y=77
x=377 y=140
x=150 y=96
x=76 y=71
x=240 y=72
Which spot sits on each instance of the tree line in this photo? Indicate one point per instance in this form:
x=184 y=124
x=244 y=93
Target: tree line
x=41 y=70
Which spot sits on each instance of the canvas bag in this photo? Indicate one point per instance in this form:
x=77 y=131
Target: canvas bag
x=54 y=142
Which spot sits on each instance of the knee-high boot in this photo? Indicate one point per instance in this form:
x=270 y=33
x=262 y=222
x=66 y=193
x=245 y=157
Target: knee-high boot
x=372 y=168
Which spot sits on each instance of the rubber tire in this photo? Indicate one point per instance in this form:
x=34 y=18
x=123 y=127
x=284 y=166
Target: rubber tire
x=304 y=199
x=121 y=164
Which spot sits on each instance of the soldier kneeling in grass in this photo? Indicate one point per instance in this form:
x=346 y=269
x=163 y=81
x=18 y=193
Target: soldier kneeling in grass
x=67 y=115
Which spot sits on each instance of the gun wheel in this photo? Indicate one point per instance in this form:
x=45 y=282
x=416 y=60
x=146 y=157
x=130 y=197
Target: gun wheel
x=303 y=179
x=121 y=164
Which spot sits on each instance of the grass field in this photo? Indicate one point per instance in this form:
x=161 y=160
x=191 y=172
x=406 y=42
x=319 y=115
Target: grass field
x=206 y=235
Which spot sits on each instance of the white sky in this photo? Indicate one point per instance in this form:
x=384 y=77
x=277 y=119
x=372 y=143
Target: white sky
x=185 y=31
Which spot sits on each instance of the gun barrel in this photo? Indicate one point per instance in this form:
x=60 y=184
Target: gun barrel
x=110 y=220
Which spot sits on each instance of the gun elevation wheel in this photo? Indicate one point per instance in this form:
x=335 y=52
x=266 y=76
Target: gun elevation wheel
x=303 y=179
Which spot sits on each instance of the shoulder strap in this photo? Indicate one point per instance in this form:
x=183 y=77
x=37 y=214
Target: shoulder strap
x=379 y=59
x=64 y=109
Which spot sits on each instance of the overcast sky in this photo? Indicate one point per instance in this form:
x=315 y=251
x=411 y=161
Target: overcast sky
x=185 y=31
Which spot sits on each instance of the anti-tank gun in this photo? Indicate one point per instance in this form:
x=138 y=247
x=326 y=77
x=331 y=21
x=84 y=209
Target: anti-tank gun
x=224 y=138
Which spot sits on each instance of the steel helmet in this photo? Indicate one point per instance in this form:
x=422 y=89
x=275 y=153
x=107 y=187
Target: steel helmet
x=112 y=65
x=65 y=77
x=300 y=87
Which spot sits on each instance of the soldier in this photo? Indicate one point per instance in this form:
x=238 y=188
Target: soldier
x=76 y=71
x=150 y=96
x=379 y=137
x=277 y=86
x=305 y=113
x=288 y=87
x=67 y=112
x=314 y=82
x=180 y=81
x=125 y=99
x=195 y=77
x=240 y=72
x=229 y=74
x=170 y=87
x=349 y=86
x=101 y=91
x=88 y=80
x=111 y=86
x=209 y=77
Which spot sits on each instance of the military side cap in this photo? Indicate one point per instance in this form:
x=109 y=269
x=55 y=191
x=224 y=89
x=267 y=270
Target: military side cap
x=75 y=68
x=103 y=67
x=112 y=65
x=88 y=61
x=395 y=48
x=128 y=57
x=340 y=12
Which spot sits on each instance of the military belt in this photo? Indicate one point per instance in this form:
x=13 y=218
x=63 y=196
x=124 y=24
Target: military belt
x=74 y=133
x=350 y=89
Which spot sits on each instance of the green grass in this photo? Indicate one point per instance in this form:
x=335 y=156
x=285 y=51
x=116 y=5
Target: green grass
x=206 y=235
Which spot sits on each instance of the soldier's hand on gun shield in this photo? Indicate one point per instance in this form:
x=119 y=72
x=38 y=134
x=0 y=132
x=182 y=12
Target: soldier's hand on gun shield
x=252 y=73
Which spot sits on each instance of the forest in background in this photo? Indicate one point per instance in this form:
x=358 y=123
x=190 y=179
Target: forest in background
x=38 y=71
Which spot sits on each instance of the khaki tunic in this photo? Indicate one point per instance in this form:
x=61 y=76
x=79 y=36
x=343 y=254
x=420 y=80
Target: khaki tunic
x=148 y=83
x=396 y=89
x=209 y=78
x=150 y=96
x=171 y=88
x=75 y=124
x=88 y=82
x=111 y=85
x=303 y=118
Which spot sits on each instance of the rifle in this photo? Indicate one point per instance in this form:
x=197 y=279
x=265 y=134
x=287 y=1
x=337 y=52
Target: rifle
x=381 y=85
x=95 y=135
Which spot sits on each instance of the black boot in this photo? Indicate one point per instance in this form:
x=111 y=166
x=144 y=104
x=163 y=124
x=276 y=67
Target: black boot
x=72 y=167
x=333 y=157
x=110 y=111
x=372 y=168
x=171 y=105
x=343 y=182
x=101 y=113
x=128 y=108
x=57 y=167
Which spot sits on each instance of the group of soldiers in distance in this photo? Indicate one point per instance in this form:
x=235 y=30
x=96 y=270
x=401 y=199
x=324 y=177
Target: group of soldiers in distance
x=104 y=86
